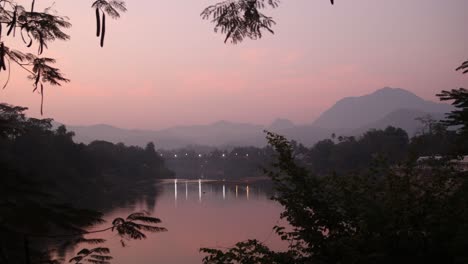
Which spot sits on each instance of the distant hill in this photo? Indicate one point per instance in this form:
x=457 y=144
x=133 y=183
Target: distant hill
x=349 y=116
x=281 y=124
x=87 y=134
x=402 y=118
x=355 y=112
x=217 y=134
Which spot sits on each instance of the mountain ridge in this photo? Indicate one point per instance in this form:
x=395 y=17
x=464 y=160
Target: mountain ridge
x=354 y=112
x=348 y=116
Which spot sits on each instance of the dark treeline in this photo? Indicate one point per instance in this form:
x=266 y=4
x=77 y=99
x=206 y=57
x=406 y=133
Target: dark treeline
x=46 y=178
x=88 y=175
x=336 y=154
x=391 y=145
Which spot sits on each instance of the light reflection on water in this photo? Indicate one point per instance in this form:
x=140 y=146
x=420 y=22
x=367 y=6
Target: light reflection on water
x=209 y=214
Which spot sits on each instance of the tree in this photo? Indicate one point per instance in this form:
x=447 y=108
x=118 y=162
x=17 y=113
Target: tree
x=41 y=28
x=402 y=214
x=240 y=19
x=387 y=214
x=459 y=117
x=46 y=178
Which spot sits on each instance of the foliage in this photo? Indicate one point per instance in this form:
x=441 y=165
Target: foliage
x=457 y=117
x=247 y=252
x=134 y=226
x=41 y=28
x=386 y=215
x=463 y=67
x=240 y=19
x=352 y=154
x=406 y=213
x=104 y=7
x=99 y=255
x=46 y=177
x=336 y=155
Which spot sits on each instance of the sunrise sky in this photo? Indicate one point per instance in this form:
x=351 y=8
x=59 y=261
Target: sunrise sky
x=163 y=65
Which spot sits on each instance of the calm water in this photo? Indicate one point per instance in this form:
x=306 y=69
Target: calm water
x=198 y=214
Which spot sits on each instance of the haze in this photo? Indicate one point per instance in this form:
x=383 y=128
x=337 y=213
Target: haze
x=164 y=66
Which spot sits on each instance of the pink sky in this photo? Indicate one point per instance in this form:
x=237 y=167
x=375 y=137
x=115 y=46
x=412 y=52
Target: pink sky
x=163 y=65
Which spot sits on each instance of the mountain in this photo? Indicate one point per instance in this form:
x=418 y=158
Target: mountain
x=216 y=134
x=349 y=116
x=281 y=124
x=355 y=112
x=402 y=118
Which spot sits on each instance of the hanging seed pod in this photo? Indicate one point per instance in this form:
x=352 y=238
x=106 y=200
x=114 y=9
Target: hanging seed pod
x=2 y=57
x=12 y=24
x=103 y=32
x=28 y=44
x=98 y=23
x=41 y=44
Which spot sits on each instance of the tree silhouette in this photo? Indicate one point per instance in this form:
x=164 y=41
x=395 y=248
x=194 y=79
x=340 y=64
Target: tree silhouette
x=463 y=67
x=41 y=28
x=134 y=226
x=111 y=8
x=386 y=214
x=458 y=117
x=241 y=19
x=99 y=255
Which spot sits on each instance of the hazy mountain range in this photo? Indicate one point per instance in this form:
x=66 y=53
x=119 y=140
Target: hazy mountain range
x=349 y=116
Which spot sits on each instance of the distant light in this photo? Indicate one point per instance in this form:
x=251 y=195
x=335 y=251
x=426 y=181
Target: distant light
x=199 y=155
x=175 y=155
x=236 y=154
x=186 y=154
x=224 y=155
x=246 y=155
x=161 y=154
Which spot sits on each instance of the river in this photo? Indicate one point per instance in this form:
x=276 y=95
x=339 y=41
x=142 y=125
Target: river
x=198 y=213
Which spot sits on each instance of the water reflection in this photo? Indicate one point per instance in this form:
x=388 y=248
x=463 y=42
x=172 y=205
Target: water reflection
x=213 y=214
x=226 y=188
x=199 y=190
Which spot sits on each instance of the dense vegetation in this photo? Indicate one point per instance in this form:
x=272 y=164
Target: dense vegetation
x=384 y=212
x=405 y=214
x=74 y=172
x=46 y=177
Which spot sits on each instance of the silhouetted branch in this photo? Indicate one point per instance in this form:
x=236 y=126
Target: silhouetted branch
x=463 y=67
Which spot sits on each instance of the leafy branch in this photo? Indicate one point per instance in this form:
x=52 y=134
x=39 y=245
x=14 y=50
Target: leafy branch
x=133 y=227
x=240 y=19
x=42 y=28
